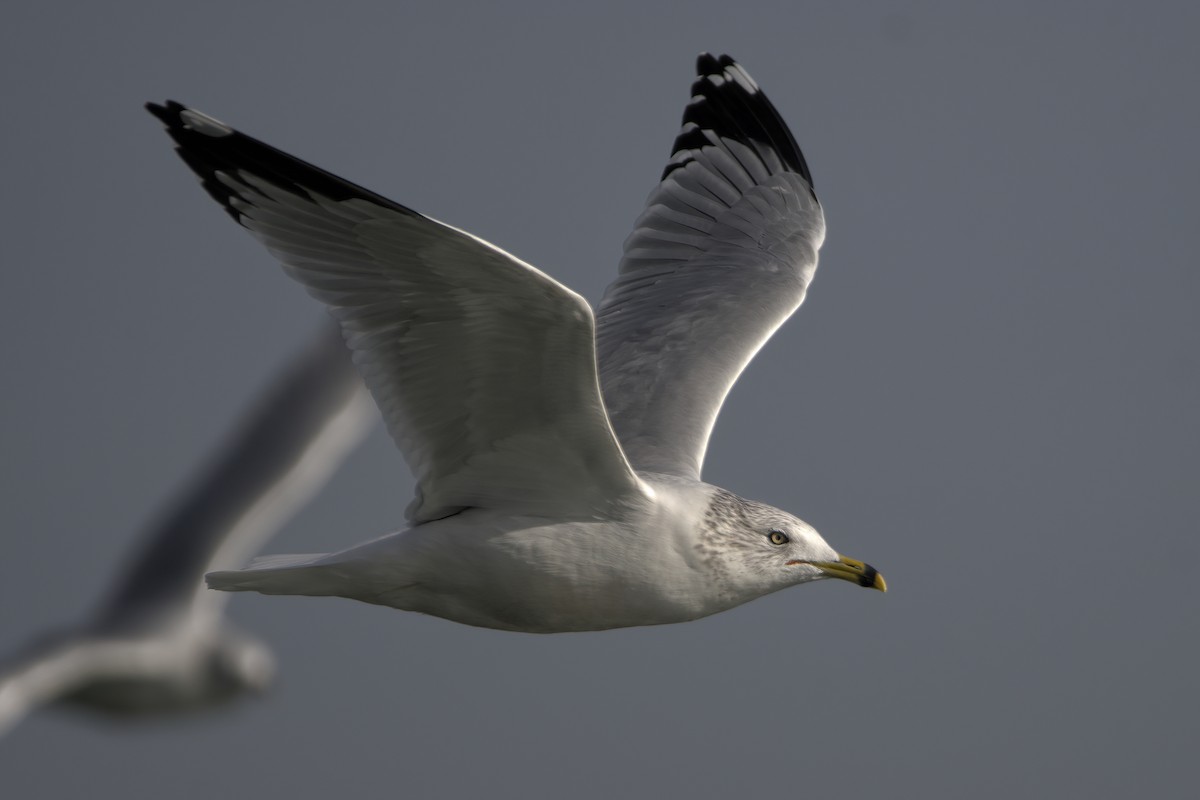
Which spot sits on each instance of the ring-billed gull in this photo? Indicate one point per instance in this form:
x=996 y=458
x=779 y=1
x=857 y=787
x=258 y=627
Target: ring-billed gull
x=557 y=453
x=160 y=644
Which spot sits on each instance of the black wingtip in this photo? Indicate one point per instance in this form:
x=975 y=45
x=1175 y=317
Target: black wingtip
x=727 y=102
x=708 y=64
x=158 y=111
x=211 y=148
x=168 y=113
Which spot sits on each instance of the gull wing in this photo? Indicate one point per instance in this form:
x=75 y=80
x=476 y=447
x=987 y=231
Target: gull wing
x=53 y=669
x=719 y=259
x=286 y=448
x=484 y=368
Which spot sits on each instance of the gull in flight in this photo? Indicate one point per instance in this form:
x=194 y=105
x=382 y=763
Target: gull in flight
x=557 y=452
x=160 y=644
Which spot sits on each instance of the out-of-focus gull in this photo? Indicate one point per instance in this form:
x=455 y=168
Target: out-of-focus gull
x=541 y=505
x=160 y=644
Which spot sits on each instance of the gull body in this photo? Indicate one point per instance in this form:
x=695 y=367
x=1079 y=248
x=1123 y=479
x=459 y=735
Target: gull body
x=664 y=561
x=557 y=451
x=160 y=644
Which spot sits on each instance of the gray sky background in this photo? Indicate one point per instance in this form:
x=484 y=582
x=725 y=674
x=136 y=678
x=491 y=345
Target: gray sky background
x=990 y=393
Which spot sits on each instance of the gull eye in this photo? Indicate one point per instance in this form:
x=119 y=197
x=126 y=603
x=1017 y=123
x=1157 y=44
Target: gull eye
x=778 y=537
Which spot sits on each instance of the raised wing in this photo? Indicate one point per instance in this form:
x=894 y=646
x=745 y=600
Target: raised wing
x=287 y=447
x=483 y=367
x=720 y=258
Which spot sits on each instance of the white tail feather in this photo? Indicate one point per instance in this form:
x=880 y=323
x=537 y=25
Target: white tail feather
x=282 y=574
x=282 y=561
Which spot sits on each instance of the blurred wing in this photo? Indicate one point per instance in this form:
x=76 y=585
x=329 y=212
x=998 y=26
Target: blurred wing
x=483 y=367
x=720 y=258
x=47 y=672
x=300 y=430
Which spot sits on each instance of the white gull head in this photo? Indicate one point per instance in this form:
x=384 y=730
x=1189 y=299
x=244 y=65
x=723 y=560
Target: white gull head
x=752 y=549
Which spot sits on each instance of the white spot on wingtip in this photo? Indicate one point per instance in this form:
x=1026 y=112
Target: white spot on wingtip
x=743 y=79
x=203 y=123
